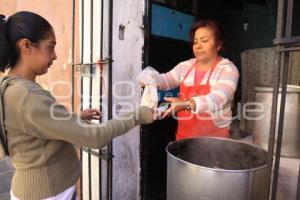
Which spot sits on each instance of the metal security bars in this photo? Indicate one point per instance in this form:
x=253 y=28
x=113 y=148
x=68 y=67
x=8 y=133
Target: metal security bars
x=285 y=43
x=92 y=79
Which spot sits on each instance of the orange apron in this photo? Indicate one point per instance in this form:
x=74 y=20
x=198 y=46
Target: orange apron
x=196 y=125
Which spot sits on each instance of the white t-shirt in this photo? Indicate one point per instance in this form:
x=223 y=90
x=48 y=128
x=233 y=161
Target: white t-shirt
x=65 y=195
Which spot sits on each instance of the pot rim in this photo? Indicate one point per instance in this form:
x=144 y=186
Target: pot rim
x=217 y=169
x=289 y=89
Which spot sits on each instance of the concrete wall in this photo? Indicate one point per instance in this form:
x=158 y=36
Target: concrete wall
x=127 y=55
x=127 y=47
x=61 y=20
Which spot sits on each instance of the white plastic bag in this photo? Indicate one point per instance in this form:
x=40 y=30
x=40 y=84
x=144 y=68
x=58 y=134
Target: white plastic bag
x=147 y=76
x=150 y=96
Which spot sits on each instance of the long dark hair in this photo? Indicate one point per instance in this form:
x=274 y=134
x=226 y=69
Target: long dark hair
x=19 y=26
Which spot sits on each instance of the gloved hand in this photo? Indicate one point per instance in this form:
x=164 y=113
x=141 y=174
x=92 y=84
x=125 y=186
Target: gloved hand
x=147 y=76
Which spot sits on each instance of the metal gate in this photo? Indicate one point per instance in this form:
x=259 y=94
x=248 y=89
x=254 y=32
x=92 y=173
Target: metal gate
x=92 y=85
x=287 y=41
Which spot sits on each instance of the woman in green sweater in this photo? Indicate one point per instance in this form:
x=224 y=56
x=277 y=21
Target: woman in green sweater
x=39 y=145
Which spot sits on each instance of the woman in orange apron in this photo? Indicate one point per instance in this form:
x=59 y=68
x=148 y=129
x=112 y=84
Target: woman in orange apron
x=192 y=124
x=206 y=86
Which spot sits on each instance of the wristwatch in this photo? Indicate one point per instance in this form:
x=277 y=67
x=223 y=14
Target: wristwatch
x=188 y=106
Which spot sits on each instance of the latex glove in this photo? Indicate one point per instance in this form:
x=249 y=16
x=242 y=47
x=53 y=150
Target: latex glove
x=147 y=76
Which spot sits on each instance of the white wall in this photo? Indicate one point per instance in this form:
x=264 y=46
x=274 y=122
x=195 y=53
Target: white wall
x=127 y=62
x=127 y=55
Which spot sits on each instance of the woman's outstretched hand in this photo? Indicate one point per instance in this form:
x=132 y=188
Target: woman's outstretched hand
x=177 y=105
x=90 y=113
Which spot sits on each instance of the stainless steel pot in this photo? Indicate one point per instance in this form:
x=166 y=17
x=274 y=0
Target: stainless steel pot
x=291 y=127
x=208 y=168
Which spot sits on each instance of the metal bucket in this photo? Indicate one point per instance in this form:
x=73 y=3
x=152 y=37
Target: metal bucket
x=291 y=127
x=208 y=168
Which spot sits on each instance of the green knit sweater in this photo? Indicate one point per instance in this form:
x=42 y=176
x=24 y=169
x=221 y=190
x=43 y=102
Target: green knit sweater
x=41 y=134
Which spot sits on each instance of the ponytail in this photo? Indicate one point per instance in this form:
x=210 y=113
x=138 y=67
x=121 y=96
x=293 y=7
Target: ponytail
x=5 y=49
x=18 y=26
